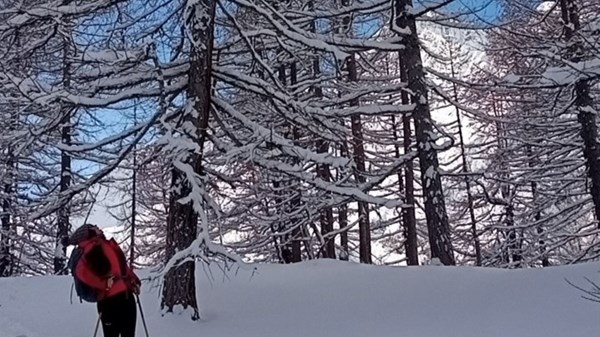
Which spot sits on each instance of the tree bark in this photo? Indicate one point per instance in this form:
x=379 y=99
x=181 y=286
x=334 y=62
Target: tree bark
x=358 y=155
x=63 y=216
x=297 y=200
x=438 y=227
x=538 y=215
x=512 y=254
x=133 y=200
x=290 y=244
x=358 y=150
x=180 y=286
x=6 y=257
x=514 y=247
x=326 y=215
x=584 y=103
x=343 y=214
x=408 y=214
x=8 y=188
x=6 y=260
x=323 y=171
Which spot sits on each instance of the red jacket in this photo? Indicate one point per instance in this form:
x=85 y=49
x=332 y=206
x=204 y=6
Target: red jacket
x=121 y=281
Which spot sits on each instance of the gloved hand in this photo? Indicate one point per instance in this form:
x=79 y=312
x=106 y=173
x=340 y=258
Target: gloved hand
x=134 y=285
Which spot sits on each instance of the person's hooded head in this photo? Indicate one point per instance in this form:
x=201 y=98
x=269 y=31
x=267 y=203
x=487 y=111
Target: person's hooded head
x=85 y=232
x=95 y=258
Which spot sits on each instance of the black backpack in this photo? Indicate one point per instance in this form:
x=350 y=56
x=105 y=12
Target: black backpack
x=85 y=292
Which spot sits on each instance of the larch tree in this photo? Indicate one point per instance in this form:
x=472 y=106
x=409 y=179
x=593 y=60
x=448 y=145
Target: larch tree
x=435 y=209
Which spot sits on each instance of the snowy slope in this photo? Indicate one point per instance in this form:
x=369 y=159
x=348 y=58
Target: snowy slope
x=329 y=298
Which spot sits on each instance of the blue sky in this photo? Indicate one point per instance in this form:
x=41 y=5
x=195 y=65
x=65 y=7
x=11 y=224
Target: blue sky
x=487 y=10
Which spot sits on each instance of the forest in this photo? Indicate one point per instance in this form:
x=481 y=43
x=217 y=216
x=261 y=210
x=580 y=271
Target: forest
x=387 y=132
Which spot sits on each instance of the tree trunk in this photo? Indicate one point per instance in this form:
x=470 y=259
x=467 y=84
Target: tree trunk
x=513 y=242
x=64 y=224
x=323 y=172
x=133 y=199
x=358 y=153
x=408 y=214
x=297 y=200
x=364 y=226
x=586 y=114
x=438 y=227
x=6 y=257
x=532 y=160
x=180 y=286
x=290 y=244
x=343 y=215
x=63 y=216
x=513 y=252
x=182 y=221
x=8 y=188
x=282 y=246
x=538 y=215
x=5 y=253
x=326 y=215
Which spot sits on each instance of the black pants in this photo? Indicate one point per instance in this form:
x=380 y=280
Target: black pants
x=118 y=314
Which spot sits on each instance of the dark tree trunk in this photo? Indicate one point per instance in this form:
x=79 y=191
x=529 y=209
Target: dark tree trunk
x=542 y=242
x=64 y=224
x=180 y=286
x=182 y=221
x=409 y=219
x=364 y=226
x=297 y=200
x=358 y=153
x=7 y=187
x=589 y=134
x=133 y=201
x=284 y=252
x=583 y=101
x=6 y=257
x=290 y=244
x=514 y=246
x=5 y=253
x=343 y=214
x=283 y=247
x=513 y=252
x=532 y=160
x=438 y=227
x=7 y=261
x=538 y=215
x=63 y=216
x=326 y=215
x=323 y=171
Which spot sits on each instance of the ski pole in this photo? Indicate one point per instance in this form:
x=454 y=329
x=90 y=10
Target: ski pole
x=142 y=315
x=97 y=325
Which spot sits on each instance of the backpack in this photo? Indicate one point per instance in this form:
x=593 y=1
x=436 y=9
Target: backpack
x=85 y=292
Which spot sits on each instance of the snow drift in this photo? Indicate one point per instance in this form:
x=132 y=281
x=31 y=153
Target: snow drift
x=333 y=299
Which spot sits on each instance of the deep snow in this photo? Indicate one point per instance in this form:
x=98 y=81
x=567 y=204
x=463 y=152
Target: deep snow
x=334 y=299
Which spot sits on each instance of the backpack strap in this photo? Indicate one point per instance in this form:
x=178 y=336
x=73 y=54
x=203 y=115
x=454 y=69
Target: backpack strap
x=71 y=295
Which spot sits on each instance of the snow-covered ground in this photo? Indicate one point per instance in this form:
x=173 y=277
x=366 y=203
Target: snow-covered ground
x=334 y=299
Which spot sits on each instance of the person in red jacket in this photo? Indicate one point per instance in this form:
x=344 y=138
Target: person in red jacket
x=104 y=268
